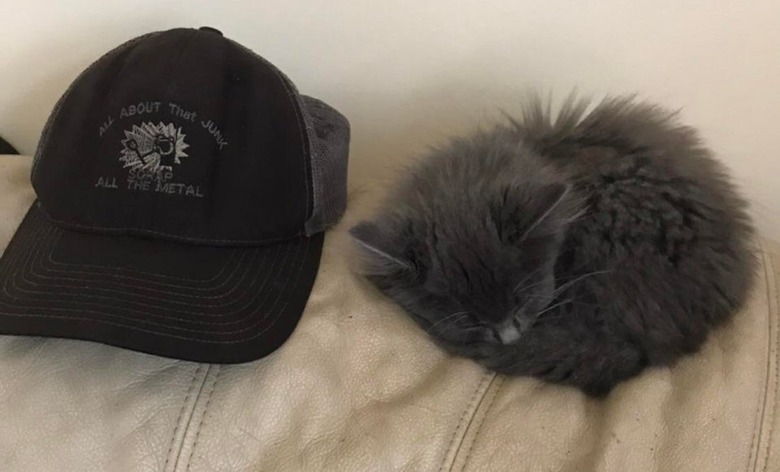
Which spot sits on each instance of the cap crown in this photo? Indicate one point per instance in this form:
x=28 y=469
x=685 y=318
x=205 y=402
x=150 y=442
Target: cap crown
x=181 y=135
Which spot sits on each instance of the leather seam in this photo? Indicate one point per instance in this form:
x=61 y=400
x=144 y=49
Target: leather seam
x=460 y=430
x=192 y=413
x=770 y=430
x=758 y=423
x=203 y=416
x=179 y=416
x=493 y=394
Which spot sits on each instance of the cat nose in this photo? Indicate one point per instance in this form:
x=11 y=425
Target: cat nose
x=512 y=329
x=508 y=332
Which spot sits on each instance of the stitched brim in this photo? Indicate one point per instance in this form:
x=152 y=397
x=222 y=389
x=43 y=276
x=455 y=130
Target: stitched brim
x=185 y=301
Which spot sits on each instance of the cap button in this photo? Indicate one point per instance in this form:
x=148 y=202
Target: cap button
x=210 y=29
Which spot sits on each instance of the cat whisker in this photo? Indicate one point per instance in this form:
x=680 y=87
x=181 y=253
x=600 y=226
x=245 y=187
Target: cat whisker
x=547 y=213
x=474 y=326
x=459 y=315
x=568 y=284
x=574 y=302
x=563 y=286
x=447 y=326
x=527 y=287
x=535 y=297
x=531 y=274
x=548 y=319
x=552 y=307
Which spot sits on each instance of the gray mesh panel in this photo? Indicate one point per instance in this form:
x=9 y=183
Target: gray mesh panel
x=328 y=132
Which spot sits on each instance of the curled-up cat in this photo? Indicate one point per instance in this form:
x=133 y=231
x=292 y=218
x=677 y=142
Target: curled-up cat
x=578 y=249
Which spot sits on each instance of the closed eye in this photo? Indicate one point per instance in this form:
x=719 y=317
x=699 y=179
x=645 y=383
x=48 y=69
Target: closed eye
x=476 y=323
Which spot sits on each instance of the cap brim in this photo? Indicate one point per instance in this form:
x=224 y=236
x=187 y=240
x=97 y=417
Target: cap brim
x=185 y=301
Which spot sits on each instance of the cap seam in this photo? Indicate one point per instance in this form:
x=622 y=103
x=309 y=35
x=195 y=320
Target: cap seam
x=120 y=277
x=293 y=97
x=173 y=237
x=313 y=170
x=43 y=141
x=304 y=145
x=66 y=288
x=22 y=268
x=136 y=328
x=114 y=270
x=329 y=159
x=151 y=211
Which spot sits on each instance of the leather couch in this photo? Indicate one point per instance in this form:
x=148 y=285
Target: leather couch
x=359 y=388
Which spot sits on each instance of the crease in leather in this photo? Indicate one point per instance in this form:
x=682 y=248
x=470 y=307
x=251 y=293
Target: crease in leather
x=190 y=411
x=466 y=419
x=764 y=432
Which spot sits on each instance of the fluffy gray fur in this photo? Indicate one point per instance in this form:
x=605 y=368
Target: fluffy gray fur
x=579 y=249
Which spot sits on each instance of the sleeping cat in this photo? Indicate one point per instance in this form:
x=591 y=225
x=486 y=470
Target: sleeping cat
x=579 y=250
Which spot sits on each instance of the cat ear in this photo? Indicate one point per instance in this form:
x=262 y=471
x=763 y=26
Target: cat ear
x=377 y=248
x=524 y=215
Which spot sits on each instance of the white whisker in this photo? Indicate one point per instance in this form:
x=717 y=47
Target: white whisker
x=572 y=282
x=552 y=307
x=462 y=314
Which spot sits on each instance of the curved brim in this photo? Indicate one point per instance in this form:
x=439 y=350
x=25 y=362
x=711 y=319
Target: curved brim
x=185 y=301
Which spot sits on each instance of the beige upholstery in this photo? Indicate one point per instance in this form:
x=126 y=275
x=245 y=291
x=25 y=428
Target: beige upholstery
x=359 y=388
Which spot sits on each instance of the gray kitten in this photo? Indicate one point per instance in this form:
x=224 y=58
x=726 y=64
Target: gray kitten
x=578 y=250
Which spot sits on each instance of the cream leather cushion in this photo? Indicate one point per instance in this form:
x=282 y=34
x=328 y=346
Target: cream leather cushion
x=359 y=388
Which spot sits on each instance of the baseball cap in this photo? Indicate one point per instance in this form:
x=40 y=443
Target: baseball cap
x=183 y=187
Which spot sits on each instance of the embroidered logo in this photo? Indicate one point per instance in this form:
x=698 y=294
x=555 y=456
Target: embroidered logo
x=153 y=148
x=150 y=152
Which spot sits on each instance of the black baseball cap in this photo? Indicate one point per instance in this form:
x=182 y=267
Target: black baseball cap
x=183 y=186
